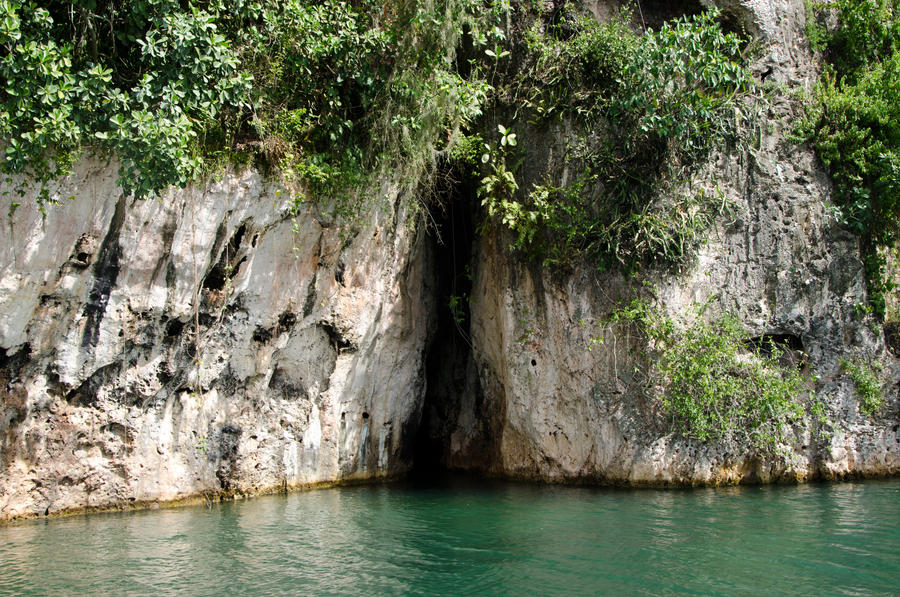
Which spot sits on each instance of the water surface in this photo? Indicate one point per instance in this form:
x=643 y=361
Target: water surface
x=468 y=537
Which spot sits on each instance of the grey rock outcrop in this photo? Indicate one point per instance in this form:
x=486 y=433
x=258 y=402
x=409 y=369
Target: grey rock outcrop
x=211 y=342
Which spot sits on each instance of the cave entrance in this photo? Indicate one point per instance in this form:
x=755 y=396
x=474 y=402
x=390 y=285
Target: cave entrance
x=449 y=370
x=657 y=12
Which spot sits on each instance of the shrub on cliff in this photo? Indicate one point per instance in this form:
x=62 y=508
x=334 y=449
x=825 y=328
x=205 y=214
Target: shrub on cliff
x=327 y=89
x=853 y=122
x=714 y=382
x=641 y=109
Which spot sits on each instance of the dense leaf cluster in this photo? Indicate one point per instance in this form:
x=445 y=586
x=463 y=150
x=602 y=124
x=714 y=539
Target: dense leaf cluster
x=868 y=383
x=713 y=382
x=642 y=108
x=854 y=124
x=144 y=79
x=326 y=88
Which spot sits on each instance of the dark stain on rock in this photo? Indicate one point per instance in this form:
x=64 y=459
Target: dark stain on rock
x=106 y=272
x=86 y=393
x=229 y=437
x=892 y=337
x=310 y=301
x=337 y=339
x=262 y=334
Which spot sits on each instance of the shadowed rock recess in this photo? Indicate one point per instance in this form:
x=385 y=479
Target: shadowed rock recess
x=216 y=343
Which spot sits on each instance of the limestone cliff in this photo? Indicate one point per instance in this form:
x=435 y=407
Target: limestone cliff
x=216 y=342
x=308 y=364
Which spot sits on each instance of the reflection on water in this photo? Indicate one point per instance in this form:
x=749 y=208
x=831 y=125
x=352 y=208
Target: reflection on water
x=478 y=537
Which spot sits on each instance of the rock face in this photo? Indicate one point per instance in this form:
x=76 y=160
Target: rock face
x=212 y=342
x=538 y=397
x=216 y=342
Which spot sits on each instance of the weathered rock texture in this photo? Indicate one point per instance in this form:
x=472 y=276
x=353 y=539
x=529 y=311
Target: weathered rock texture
x=539 y=397
x=210 y=342
x=215 y=343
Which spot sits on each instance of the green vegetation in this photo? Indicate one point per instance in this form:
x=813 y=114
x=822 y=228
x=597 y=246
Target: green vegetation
x=869 y=386
x=334 y=94
x=854 y=125
x=714 y=382
x=328 y=91
x=640 y=110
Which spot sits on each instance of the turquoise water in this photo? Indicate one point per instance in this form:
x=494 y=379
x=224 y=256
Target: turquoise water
x=467 y=537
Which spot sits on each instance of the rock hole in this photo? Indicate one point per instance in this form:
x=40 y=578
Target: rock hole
x=286 y=321
x=337 y=339
x=227 y=264
x=533 y=363
x=174 y=329
x=657 y=12
x=788 y=346
x=365 y=415
x=261 y=334
x=215 y=279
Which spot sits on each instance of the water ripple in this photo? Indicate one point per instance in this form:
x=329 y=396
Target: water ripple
x=477 y=538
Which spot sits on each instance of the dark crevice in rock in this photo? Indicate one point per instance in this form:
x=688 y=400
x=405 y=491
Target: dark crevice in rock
x=229 y=439
x=86 y=393
x=451 y=381
x=106 y=272
x=174 y=330
x=892 y=337
x=310 y=302
x=337 y=339
x=788 y=346
x=11 y=363
x=228 y=263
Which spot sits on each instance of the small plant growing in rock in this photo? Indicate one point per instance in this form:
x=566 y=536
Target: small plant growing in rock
x=869 y=387
x=713 y=382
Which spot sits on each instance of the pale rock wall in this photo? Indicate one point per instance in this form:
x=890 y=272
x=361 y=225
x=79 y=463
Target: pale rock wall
x=311 y=343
